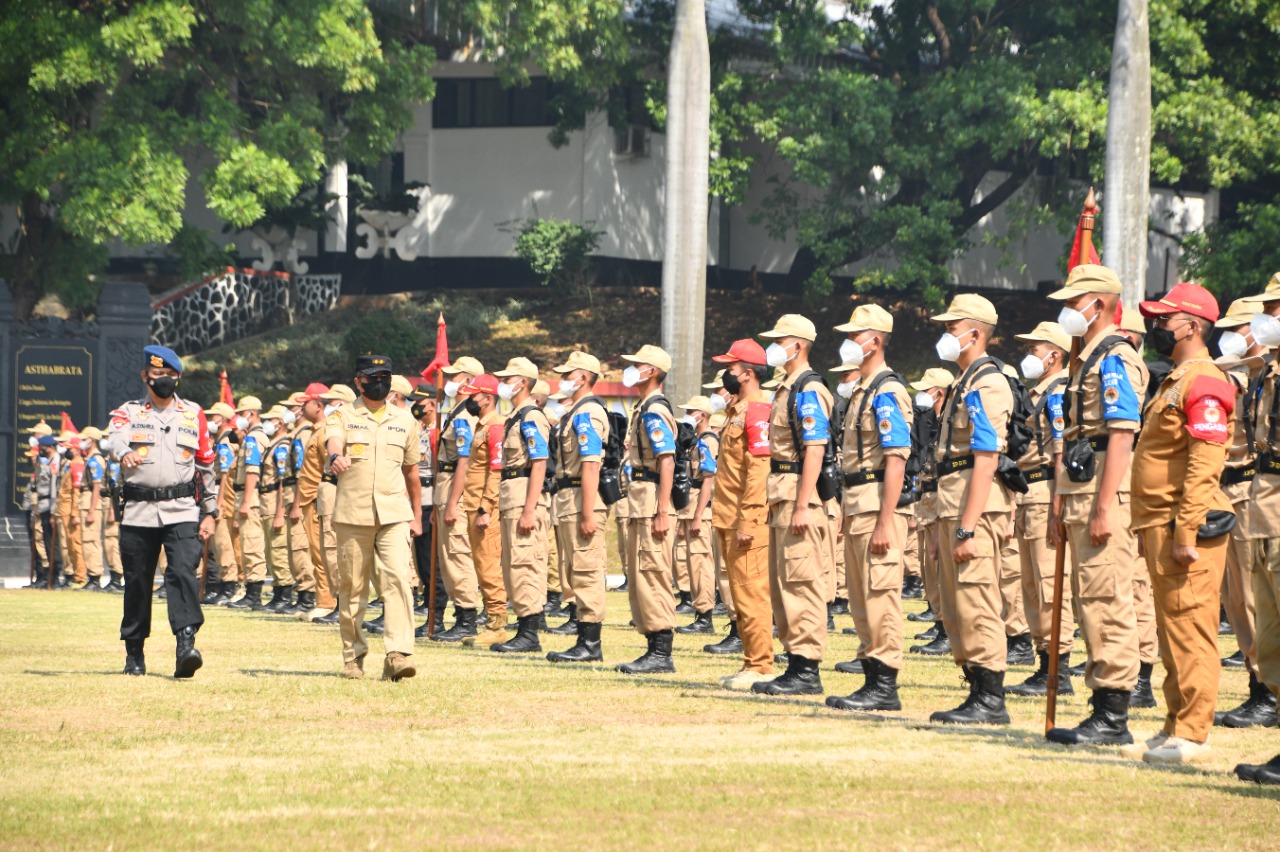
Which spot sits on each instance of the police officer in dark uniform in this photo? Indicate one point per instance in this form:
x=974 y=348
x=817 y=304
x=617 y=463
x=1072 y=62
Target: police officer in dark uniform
x=170 y=501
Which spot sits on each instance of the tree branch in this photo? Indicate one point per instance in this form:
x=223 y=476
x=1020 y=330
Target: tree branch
x=992 y=200
x=939 y=30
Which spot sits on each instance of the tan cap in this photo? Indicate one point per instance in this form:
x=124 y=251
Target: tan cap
x=716 y=383
x=465 y=364
x=1270 y=294
x=934 y=377
x=845 y=368
x=221 y=409
x=698 y=403
x=1088 y=278
x=868 y=318
x=41 y=428
x=778 y=376
x=1131 y=320
x=579 y=360
x=969 y=306
x=249 y=403
x=522 y=367
x=275 y=413
x=717 y=420
x=1240 y=313
x=67 y=436
x=541 y=387
x=650 y=354
x=793 y=325
x=400 y=385
x=1047 y=332
x=298 y=398
x=341 y=393
x=559 y=397
x=92 y=433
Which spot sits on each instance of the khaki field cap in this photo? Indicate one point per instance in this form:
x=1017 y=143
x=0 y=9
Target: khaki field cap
x=1088 y=278
x=793 y=325
x=718 y=420
x=91 y=433
x=845 y=368
x=779 y=375
x=541 y=387
x=522 y=367
x=934 y=377
x=698 y=403
x=276 y=413
x=653 y=355
x=41 y=429
x=67 y=436
x=1271 y=294
x=465 y=364
x=1240 y=313
x=868 y=318
x=223 y=410
x=400 y=385
x=578 y=360
x=969 y=306
x=716 y=383
x=249 y=403
x=1047 y=332
x=341 y=393
x=1131 y=320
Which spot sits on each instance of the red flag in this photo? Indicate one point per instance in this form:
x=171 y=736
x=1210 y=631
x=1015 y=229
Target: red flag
x=67 y=425
x=430 y=372
x=224 y=387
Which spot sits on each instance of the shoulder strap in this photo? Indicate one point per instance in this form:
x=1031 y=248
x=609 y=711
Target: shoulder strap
x=1104 y=348
x=961 y=388
x=793 y=404
x=516 y=418
x=659 y=399
x=867 y=397
x=1040 y=409
x=567 y=420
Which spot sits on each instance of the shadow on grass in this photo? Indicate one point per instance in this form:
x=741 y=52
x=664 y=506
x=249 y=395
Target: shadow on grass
x=285 y=673
x=1249 y=790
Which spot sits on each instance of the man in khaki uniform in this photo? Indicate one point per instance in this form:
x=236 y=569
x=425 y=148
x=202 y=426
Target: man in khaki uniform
x=272 y=502
x=1102 y=407
x=304 y=515
x=111 y=528
x=1016 y=631
x=453 y=555
x=800 y=540
x=875 y=438
x=931 y=390
x=651 y=439
x=300 y=565
x=70 y=482
x=373 y=450
x=225 y=544
x=973 y=508
x=581 y=510
x=95 y=471
x=480 y=504
x=694 y=531
x=1048 y=347
x=247 y=517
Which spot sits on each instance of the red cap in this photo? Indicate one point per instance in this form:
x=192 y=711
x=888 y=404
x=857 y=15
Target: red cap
x=1184 y=298
x=746 y=350
x=485 y=383
x=315 y=390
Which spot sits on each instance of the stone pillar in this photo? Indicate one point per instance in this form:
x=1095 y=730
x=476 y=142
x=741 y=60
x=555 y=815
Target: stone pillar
x=124 y=326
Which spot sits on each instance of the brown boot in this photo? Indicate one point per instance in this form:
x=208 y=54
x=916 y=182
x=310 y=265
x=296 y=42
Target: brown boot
x=354 y=669
x=495 y=631
x=397 y=666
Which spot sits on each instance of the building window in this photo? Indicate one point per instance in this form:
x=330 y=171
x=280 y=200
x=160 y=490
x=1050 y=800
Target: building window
x=486 y=103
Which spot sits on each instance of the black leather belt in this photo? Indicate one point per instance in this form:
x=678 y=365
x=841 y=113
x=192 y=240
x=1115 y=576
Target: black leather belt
x=863 y=477
x=237 y=487
x=947 y=467
x=1268 y=465
x=330 y=478
x=446 y=467
x=139 y=494
x=569 y=482
x=1040 y=474
x=1236 y=475
x=643 y=475
x=695 y=484
x=269 y=489
x=289 y=481
x=783 y=466
x=929 y=487
x=515 y=473
x=426 y=480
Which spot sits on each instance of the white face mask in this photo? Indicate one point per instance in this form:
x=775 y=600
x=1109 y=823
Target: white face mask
x=718 y=403
x=949 y=348
x=690 y=421
x=924 y=399
x=1233 y=344
x=329 y=409
x=213 y=428
x=290 y=418
x=102 y=445
x=555 y=409
x=269 y=428
x=845 y=389
x=568 y=386
x=1032 y=367
x=776 y=355
x=631 y=376
x=852 y=353
x=33 y=441
x=242 y=423
x=506 y=391
x=451 y=389
x=1073 y=321
x=1266 y=330
x=86 y=445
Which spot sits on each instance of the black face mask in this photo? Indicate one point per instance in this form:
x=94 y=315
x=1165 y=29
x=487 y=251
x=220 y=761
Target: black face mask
x=471 y=407
x=376 y=390
x=163 y=386
x=419 y=409
x=1162 y=341
x=731 y=383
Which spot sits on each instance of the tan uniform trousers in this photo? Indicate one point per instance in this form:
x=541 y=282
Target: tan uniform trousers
x=1103 y=585
x=1011 y=606
x=624 y=542
x=454 y=561
x=91 y=543
x=253 y=548
x=110 y=539
x=325 y=594
x=524 y=563
x=800 y=570
x=970 y=593
x=37 y=538
x=1186 y=604
x=694 y=550
x=1238 y=584
x=836 y=572
x=564 y=556
x=911 y=552
x=300 y=565
x=276 y=541
x=71 y=551
x=653 y=607
x=748 y=571
x=929 y=566
x=326 y=494
x=224 y=550
x=587 y=565
x=1266 y=597
x=1038 y=562
x=359 y=547
x=875 y=587
x=1144 y=608
x=680 y=563
x=722 y=575
x=486 y=551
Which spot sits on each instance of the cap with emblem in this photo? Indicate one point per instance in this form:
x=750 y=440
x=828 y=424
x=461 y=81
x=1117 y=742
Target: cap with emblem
x=465 y=364
x=1047 y=332
x=221 y=409
x=868 y=318
x=91 y=433
x=698 y=403
x=716 y=383
x=1088 y=278
x=249 y=403
x=1184 y=298
x=969 y=306
x=845 y=368
x=368 y=365
x=1240 y=313
x=483 y=383
x=161 y=356
x=1131 y=320
x=793 y=325
x=579 y=360
x=654 y=356
x=340 y=393
x=1270 y=294
x=746 y=350
x=934 y=377
x=424 y=390
x=522 y=367
x=400 y=385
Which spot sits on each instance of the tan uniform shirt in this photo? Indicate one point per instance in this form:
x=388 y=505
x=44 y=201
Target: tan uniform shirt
x=314 y=457
x=1264 y=505
x=813 y=425
x=702 y=463
x=742 y=466
x=485 y=467
x=1242 y=455
x=380 y=445
x=522 y=443
x=1046 y=442
x=885 y=429
x=250 y=459
x=456 y=441
x=649 y=436
x=581 y=436
x=974 y=419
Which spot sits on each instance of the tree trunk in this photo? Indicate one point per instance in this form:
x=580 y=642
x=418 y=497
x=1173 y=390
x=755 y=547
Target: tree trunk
x=1127 y=187
x=35 y=232
x=684 y=251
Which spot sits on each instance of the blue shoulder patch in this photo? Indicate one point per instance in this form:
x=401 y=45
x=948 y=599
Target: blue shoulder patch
x=463 y=437
x=984 y=438
x=1057 y=423
x=113 y=470
x=252 y=452
x=298 y=451
x=281 y=457
x=706 y=461
x=225 y=458
x=894 y=432
x=589 y=443
x=661 y=438
x=815 y=421
x=533 y=440
x=1119 y=402
x=95 y=468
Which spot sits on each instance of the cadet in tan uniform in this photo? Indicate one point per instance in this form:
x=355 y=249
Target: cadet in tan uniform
x=973 y=508
x=247 y=518
x=480 y=504
x=875 y=438
x=304 y=512
x=800 y=541
x=651 y=439
x=111 y=526
x=373 y=450
x=694 y=532
x=300 y=565
x=1048 y=347
x=94 y=482
x=1102 y=407
x=930 y=391
x=1178 y=507
x=1017 y=634
x=721 y=399
x=225 y=542
x=581 y=509
x=272 y=503
x=70 y=480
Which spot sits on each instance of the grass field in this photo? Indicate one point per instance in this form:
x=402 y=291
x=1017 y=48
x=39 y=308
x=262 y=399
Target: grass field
x=268 y=748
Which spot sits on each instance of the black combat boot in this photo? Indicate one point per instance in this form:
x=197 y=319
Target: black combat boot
x=437 y=624
x=1258 y=710
x=880 y=692
x=940 y=646
x=252 y=597
x=117 y=582
x=930 y=634
x=1038 y=683
x=552 y=605
x=212 y=592
x=854 y=666
x=464 y=625
x=700 y=624
x=731 y=644
x=1108 y=724
x=985 y=704
x=226 y=592
x=585 y=650
x=1235 y=661
x=188 y=658
x=840 y=607
x=134 y=662
x=526 y=638
x=333 y=617
x=831 y=619
x=281 y=600
x=1260 y=773
x=570 y=627
x=655 y=660
x=685 y=604
x=1019 y=651
x=1142 y=695
x=1078 y=670
x=375 y=604
x=162 y=593
x=912 y=588
x=800 y=678
x=924 y=617
x=719 y=608
x=305 y=603
x=377 y=627
x=1224 y=624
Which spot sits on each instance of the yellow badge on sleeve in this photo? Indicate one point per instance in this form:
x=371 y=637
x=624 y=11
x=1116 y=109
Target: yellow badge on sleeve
x=142 y=452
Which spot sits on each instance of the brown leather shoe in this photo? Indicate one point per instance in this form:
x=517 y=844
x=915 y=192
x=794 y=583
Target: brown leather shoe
x=397 y=666
x=354 y=669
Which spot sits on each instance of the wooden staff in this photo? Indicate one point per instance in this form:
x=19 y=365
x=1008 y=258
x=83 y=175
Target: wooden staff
x=435 y=514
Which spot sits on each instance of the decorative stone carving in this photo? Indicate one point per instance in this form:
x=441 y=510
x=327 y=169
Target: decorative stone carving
x=276 y=246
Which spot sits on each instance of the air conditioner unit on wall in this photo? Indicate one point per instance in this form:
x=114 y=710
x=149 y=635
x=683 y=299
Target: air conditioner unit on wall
x=631 y=141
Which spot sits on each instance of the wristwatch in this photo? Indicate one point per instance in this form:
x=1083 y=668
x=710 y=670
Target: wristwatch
x=963 y=534
x=214 y=514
